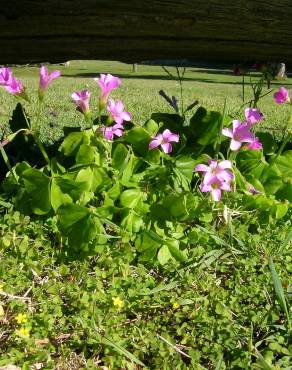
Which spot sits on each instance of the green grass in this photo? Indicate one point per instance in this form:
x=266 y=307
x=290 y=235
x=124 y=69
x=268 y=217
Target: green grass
x=229 y=304
x=222 y=303
x=139 y=91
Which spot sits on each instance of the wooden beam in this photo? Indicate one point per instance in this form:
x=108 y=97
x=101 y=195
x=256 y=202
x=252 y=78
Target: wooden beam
x=133 y=30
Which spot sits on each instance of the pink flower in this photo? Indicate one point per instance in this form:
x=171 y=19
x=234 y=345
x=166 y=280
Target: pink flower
x=218 y=169
x=282 y=96
x=164 y=141
x=15 y=87
x=81 y=99
x=46 y=79
x=107 y=83
x=217 y=177
x=240 y=133
x=255 y=145
x=253 y=116
x=5 y=76
x=110 y=131
x=116 y=111
x=214 y=186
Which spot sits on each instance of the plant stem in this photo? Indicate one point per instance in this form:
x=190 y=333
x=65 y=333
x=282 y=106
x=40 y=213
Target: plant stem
x=42 y=148
x=181 y=92
x=6 y=160
x=284 y=140
x=218 y=141
x=35 y=134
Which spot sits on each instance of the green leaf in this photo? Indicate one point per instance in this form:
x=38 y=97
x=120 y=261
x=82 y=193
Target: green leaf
x=263 y=362
x=220 y=362
x=163 y=255
x=268 y=142
x=95 y=178
x=79 y=225
x=176 y=204
x=58 y=198
x=37 y=185
x=131 y=221
x=108 y=341
x=279 y=209
x=70 y=215
x=130 y=198
x=186 y=166
x=284 y=164
x=278 y=288
x=285 y=193
x=176 y=253
x=152 y=127
x=204 y=126
x=139 y=138
x=73 y=188
x=119 y=156
x=251 y=163
x=86 y=155
x=173 y=122
x=72 y=142
x=272 y=180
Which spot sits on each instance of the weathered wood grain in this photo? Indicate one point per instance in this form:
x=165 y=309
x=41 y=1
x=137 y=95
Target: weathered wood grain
x=238 y=30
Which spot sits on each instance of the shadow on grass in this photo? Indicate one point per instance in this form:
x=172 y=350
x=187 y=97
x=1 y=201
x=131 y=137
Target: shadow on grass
x=135 y=76
x=151 y=77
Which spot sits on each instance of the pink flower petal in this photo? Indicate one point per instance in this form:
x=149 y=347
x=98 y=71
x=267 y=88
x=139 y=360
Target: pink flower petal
x=154 y=143
x=166 y=147
x=205 y=187
x=118 y=132
x=169 y=136
x=225 y=164
x=227 y=132
x=235 y=145
x=235 y=124
x=216 y=194
x=226 y=176
x=201 y=168
x=126 y=116
x=225 y=186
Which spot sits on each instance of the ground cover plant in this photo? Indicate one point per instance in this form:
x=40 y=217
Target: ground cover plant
x=163 y=245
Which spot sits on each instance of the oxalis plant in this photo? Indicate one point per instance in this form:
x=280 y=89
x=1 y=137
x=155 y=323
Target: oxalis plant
x=156 y=187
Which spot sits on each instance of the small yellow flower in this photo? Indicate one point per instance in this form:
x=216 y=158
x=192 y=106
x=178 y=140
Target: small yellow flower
x=175 y=305
x=21 y=318
x=118 y=302
x=23 y=332
x=1 y=288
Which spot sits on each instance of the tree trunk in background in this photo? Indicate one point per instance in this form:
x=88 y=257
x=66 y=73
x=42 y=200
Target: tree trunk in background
x=280 y=71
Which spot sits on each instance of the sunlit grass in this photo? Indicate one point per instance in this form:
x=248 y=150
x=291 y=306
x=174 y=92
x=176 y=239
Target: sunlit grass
x=139 y=91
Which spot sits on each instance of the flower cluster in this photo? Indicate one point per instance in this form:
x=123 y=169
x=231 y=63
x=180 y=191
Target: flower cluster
x=11 y=84
x=217 y=177
x=241 y=131
x=23 y=331
x=116 y=113
x=15 y=87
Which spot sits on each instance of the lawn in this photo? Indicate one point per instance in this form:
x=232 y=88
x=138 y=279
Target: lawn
x=111 y=257
x=139 y=91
